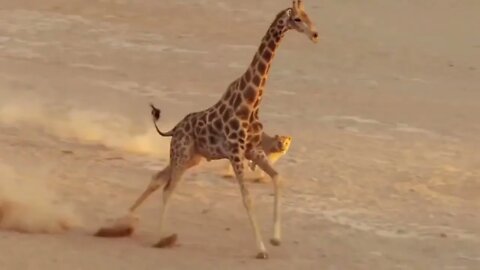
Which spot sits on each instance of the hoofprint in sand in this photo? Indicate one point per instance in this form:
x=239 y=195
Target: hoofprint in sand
x=231 y=129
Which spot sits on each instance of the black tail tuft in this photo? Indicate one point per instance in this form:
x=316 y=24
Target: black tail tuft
x=155 y=112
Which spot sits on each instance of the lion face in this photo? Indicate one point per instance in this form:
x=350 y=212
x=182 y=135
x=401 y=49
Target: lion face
x=282 y=143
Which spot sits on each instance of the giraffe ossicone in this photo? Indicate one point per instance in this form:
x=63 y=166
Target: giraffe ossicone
x=230 y=129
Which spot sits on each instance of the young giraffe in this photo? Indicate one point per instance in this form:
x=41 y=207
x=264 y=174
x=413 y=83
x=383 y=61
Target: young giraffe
x=230 y=129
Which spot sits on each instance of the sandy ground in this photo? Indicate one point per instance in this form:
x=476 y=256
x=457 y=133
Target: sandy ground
x=383 y=171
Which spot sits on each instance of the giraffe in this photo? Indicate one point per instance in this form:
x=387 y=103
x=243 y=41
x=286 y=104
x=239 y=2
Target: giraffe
x=230 y=129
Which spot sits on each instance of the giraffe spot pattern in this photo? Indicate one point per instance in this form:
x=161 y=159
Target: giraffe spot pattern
x=271 y=45
x=256 y=80
x=261 y=67
x=250 y=94
x=227 y=115
x=267 y=55
x=234 y=124
x=243 y=112
x=238 y=101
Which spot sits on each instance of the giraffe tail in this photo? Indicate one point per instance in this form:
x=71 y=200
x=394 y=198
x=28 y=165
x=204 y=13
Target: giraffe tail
x=156 y=116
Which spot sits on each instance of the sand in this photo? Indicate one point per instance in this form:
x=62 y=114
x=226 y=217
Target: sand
x=383 y=171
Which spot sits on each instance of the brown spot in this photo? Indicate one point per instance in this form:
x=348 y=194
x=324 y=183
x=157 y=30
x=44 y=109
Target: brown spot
x=267 y=55
x=187 y=127
x=203 y=118
x=234 y=124
x=211 y=116
x=255 y=60
x=250 y=94
x=212 y=139
x=228 y=94
x=257 y=126
x=256 y=103
x=222 y=108
x=271 y=45
x=248 y=76
x=261 y=48
x=242 y=141
x=256 y=80
x=243 y=112
x=238 y=101
x=261 y=67
x=227 y=129
x=242 y=83
x=232 y=100
x=193 y=121
x=236 y=159
x=233 y=136
x=203 y=131
x=244 y=124
x=260 y=92
x=218 y=124
x=228 y=113
x=241 y=134
x=266 y=37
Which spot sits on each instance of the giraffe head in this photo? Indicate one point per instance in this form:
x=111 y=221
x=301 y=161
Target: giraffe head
x=299 y=20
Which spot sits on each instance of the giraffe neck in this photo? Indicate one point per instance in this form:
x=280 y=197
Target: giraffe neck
x=255 y=77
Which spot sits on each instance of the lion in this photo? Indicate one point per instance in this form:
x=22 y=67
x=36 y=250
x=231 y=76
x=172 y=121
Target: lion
x=274 y=147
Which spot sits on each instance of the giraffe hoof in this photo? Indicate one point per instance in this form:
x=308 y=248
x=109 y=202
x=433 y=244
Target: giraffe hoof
x=168 y=241
x=263 y=255
x=114 y=232
x=275 y=242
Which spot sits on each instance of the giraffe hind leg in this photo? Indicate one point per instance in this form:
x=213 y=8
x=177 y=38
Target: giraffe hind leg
x=182 y=157
x=125 y=226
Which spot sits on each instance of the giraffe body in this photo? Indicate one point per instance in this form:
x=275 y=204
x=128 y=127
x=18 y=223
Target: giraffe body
x=230 y=129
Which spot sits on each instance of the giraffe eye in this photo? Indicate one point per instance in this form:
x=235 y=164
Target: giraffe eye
x=297 y=19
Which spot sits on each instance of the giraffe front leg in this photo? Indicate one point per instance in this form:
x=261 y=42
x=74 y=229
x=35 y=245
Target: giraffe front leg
x=260 y=158
x=238 y=167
